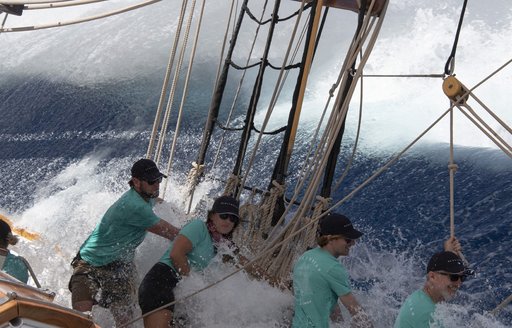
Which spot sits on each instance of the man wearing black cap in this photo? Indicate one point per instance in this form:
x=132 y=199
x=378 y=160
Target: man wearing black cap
x=445 y=274
x=319 y=279
x=105 y=260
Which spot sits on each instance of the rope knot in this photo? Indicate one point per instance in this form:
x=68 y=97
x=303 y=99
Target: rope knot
x=453 y=167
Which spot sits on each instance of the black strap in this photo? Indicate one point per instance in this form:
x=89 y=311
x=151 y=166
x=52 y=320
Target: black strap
x=449 y=66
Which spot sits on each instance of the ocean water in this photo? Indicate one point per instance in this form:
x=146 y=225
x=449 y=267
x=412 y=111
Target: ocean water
x=77 y=104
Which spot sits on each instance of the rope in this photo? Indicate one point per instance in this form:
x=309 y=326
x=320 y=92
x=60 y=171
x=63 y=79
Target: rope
x=23 y=2
x=269 y=204
x=321 y=205
x=335 y=121
x=275 y=94
x=449 y=67
x=31 y=271
x=239 y=87
x=3 y=22
x=184 y=95
x=231 y=184
x=462 y=93
x=506 y=148
x=191 y=188
x=78 y=21
x=333 y=125
x=170 y=100
x=356 y=141
x=270 y=248
x=452 y=168
x=59 y=5
x=502 y=305
x=165 y=84
x=405 y=75
x=249 y=212
x=193 y=177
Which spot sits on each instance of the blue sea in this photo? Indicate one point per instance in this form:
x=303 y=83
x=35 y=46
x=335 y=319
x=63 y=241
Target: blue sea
x=77 y=106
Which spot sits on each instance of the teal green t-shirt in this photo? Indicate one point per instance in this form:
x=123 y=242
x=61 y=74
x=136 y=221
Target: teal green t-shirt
x=16 y=267
x=202 y=251
x=318 y=280
x=120 y=231
x=416 y=312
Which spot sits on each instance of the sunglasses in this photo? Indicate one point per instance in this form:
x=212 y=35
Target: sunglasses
x=231 y=218
x=454 y=277
x=152 y=182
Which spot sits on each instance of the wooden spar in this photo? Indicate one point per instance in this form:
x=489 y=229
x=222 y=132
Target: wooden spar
x=353 y=5
x=307 y=68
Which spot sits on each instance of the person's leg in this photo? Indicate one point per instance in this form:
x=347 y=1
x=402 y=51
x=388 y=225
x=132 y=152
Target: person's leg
x=83 y=287
x=155 y=291
x=82 y=306
x=159 y=319
x=118 y=293
x=123 y=315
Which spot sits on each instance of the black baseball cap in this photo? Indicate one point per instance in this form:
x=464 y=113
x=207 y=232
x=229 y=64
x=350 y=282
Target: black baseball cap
x=145 y=169
x=337 y=224
x=448 y=262
x=226 y=205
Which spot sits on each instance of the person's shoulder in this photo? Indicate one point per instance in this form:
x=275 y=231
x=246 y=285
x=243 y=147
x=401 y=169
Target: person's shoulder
x=15 y=259
x=12 y=253
x=131 y=199
x=195 y=223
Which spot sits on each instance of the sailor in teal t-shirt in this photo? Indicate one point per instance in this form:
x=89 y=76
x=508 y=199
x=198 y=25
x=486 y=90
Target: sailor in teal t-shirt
x=104 y=262
x=445 y=274
x=203 y=250
x=15 y=266
x=416 y=312
x=319 y=279
x=10 y=262
x=192 y=250
x=121 y=230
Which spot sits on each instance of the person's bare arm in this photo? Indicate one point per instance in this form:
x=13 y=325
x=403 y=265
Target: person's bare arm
x=336 y=315
x=164 y=229
x=180 y=248
x=359 y=317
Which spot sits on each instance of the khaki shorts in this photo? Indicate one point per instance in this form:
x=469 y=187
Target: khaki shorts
x=109 y=285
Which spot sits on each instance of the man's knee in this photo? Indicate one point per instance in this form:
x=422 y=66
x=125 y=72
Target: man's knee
x=83 y=306
x=83 y=292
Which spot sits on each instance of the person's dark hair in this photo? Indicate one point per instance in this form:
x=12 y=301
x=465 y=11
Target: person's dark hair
x=322 y=240
x=6 y=236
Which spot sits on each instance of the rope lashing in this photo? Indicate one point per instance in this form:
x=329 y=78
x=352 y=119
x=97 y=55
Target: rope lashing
x=453 y=167
x=248 y=214
x=269 y=203
x=231 y=184
x=193 y=176
x=320 y=206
